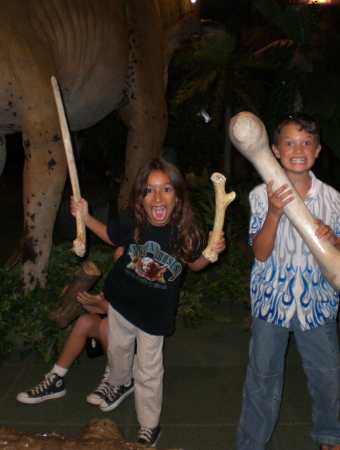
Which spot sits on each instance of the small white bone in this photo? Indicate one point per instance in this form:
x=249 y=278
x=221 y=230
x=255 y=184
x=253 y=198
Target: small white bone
x=249 y=136
x=79 y=244
x=222 y=200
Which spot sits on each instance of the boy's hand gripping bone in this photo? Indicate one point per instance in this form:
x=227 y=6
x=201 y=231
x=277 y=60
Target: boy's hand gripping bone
x=249 y=136
x=222 y=200
x=79 y=244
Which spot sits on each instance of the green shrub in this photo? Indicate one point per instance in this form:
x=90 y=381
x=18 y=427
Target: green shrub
x=25 y=313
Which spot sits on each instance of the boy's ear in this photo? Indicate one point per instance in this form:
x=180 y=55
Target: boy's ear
x=276 y=151
x=318 y=150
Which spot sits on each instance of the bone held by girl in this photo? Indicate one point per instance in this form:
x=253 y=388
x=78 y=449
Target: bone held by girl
x=222 y=200
x=79 y=244
x=249 y=136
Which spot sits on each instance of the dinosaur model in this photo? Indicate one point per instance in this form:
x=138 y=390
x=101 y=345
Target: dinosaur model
x=106 y=55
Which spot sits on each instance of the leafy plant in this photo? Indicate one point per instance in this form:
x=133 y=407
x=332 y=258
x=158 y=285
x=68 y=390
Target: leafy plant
x=237 y=213
x=307 y=78
x=226 y=280
x=216 y=76
x=25 y=313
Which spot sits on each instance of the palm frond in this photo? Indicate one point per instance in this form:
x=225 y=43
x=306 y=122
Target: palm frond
x=282 y=98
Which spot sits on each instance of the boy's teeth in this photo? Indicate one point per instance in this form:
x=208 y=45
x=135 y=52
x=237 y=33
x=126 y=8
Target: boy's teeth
x=298 y=160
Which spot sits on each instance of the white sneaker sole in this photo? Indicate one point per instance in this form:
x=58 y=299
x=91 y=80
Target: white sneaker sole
x=32 y=401
x=94 y=400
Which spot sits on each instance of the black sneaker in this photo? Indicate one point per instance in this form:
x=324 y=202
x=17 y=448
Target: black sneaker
x=149 y=436
x=100 y=392
x=115 y=395
x=51 y=387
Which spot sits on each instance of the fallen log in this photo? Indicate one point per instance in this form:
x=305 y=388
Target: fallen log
x=98 y=434
x=68 y=308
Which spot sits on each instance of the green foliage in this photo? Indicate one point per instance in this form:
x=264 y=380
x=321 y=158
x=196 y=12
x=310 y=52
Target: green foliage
x=226 y=280
x=211 y=73
x=292 y=21
x=307 y=71
x=237 y=213
x=218 y=72
x=25 y=313
x=281 y=100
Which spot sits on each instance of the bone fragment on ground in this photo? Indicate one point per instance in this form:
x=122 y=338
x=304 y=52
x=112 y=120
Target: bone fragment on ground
x=249 y=136
x=98 y=434
x=79 y=244
x=68 y=307
x=222 y=200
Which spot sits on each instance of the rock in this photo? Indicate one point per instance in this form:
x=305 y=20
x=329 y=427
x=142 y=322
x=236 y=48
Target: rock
x=98 y=434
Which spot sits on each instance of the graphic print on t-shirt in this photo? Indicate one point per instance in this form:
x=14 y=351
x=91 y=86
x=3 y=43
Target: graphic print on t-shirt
x=152 y=263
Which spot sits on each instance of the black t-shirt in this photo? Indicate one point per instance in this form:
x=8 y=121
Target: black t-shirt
x=144 y=289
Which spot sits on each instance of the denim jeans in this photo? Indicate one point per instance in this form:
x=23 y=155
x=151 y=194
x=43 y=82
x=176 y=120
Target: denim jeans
x=319 y=350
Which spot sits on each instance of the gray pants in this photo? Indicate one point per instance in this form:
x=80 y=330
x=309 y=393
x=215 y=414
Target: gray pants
x=146 y=369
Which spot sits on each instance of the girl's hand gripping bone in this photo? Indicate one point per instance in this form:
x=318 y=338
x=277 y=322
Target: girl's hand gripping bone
x=222 y=200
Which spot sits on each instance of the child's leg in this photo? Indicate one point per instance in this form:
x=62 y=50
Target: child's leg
x=263 y=385
x=103 y=333
x=319 y=350
x=53 y=385
x=121 y=348
x=85 y=326
x=148 y=375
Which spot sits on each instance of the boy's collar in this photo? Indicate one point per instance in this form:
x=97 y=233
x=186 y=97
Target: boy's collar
x=315 y=188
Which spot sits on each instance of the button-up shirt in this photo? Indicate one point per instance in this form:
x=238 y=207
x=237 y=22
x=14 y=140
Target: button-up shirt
x=290 y=281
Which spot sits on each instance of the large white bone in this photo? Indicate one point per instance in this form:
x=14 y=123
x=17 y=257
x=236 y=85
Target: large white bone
x=222 y=200
x=249 y=136
x=79 y=244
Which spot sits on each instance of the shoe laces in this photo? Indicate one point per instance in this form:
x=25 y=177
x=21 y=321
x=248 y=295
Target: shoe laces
x=113 y=392
x=104 y=385
x=46 y=383
x=145 y=433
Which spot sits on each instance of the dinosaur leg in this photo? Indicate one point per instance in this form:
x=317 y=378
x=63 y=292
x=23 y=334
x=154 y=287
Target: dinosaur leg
x=2 y=152
x=43 y=182
x=146 y=91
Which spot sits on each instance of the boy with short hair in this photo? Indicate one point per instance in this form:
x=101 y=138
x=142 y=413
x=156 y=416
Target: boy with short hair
x=289 y=294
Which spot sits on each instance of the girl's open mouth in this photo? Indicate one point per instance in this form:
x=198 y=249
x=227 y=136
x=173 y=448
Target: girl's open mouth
x=158 y=213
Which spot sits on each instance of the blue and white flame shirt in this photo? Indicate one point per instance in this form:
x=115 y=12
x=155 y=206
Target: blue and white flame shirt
x=290 y=281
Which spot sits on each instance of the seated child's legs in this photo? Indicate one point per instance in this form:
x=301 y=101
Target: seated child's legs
x=263 y=385
x=319 y=350
x=85 y=326
x=103 y=333
x=53 y=385
x=148 y=374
